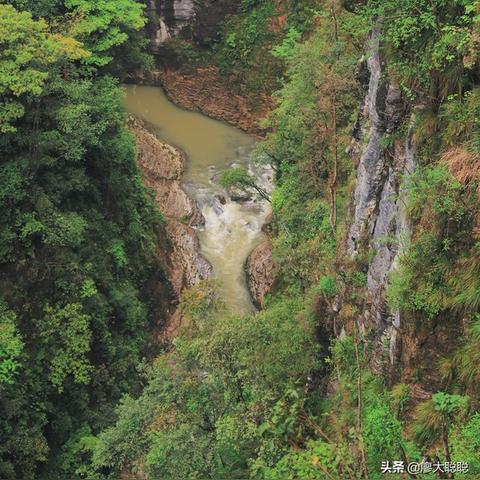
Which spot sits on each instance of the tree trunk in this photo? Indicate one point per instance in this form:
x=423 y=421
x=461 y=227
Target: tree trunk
x=446 y=446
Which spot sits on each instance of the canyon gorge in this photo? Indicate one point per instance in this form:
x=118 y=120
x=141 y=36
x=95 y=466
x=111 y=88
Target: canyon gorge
x=240 y=239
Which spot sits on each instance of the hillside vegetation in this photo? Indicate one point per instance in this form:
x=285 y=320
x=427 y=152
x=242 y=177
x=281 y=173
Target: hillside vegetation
x=293 y=391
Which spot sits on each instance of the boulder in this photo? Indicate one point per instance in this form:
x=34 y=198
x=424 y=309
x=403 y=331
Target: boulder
x=260 y=272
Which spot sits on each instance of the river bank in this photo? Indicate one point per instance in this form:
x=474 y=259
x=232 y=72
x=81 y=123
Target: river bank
x=162 y=167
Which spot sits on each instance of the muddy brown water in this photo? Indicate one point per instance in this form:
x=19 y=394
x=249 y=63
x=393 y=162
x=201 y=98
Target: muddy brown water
x=232 y=228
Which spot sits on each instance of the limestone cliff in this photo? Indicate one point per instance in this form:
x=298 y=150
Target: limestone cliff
x=401 y=349
x=378 y=222
x=196 y=20
x=169 y=18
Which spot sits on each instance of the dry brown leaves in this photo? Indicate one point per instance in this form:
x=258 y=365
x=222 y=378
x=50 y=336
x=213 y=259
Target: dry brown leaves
x=464 y=166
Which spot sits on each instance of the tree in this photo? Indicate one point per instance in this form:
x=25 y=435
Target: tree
x=334 y=86
x=200 y=413
x=311 y=125
x=66 y=336
x=433 y=44
x=467 y=357
x=104 y=25
x=240 y=178
x=28 y=51
x=465 y=440
x=11 y=346
x=434 y=419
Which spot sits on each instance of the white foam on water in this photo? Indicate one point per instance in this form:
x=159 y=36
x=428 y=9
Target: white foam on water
x=230 y=233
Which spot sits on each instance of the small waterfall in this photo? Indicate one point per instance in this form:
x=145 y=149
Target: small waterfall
x=232 y=230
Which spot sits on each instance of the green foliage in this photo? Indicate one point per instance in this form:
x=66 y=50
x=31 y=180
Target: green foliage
x=466 y=358
x=287 y=48
x=79 y=277
x=317 y=461
x=399 y=398
x=66 y=337
x=444 y=211
x=432 y=44
x=382 y=434
x=327 y=286
x=11 y=346
x=460 y=117
x=310 y=133
x=236 y=177
x=79 y=447
x=434 y=417
x=108 y=29
x=38 y=8
x=88 y=289
x=117 y=251
x=246 y=44
x=448 y=404
x=235 y=397
x=28 y=49
x=465 y=441
x=231 y=401
x=343 y=357
x=303 y=228
x=125 y=441
x=182 y=54
x=104 y=26
x=231 y=385
x=239 y=178
x=201 y=302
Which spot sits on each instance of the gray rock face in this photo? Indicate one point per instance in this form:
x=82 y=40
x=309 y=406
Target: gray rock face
x=171 y=17
x=197 y=20
x=183 y=10
x=371 y=168
x=188 y=266
x=379 y=220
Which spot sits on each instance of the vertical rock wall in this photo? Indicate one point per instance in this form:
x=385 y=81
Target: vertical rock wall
x=199 y=21
x=379 y=225
x=169 y=18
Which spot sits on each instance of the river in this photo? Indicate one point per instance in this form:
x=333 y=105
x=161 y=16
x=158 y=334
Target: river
x=232 y=228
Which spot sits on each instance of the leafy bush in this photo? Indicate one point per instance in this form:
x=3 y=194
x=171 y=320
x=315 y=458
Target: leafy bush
x=431 y=45
x=11 y=346
x=247 y=42
x=465 y=441
x=382 y=434
x=444 y=211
